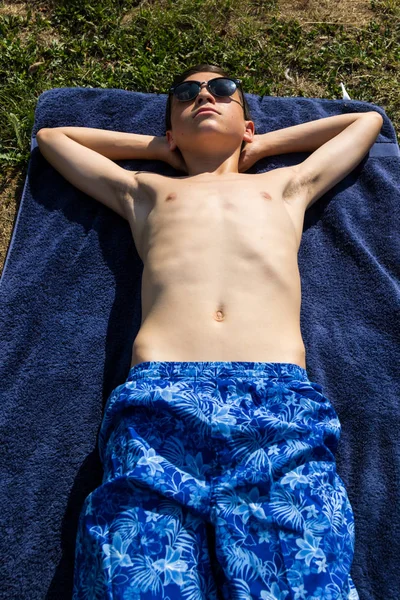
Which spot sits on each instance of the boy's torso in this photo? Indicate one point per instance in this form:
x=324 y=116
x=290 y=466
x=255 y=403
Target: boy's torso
x=220 y=279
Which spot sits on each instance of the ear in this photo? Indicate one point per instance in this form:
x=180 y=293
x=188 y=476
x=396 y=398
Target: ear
x=249 y=131
x=170 y=140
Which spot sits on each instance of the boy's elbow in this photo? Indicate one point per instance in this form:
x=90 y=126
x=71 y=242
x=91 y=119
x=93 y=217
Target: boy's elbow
x=45 y=130
x=42 y=133
x=377 y=115
x=374 y=122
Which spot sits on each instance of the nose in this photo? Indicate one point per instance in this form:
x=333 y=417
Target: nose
x=204 y=94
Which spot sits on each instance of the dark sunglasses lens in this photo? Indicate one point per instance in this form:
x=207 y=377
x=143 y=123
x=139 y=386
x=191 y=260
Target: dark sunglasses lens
x=220 y=87
x=186 y=91
x=223 y=87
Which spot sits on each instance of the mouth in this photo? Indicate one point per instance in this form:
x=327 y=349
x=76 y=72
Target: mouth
x=205 y=110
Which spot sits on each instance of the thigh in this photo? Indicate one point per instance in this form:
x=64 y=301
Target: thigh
x=158 y=433
x=132 y=543
x=284 y=524
x=296 y=538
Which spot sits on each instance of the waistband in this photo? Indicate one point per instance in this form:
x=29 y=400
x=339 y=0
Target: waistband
x=216 y=369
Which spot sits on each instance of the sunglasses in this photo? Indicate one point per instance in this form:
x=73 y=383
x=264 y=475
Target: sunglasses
x=219 y=86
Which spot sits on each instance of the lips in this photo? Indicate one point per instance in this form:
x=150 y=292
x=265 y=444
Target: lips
x=205 y=110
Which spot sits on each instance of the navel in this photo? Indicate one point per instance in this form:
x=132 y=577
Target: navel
x=219 y=315
x=171 y=196
x=266 y=195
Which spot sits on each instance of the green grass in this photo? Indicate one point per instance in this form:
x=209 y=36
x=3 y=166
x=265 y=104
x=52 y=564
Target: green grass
x=138 y=46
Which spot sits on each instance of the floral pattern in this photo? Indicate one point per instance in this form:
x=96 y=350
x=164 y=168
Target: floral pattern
x=219 y=482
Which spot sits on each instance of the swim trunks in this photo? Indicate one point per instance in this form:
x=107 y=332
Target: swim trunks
x=219 y=483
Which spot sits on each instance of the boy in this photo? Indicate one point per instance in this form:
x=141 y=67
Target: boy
x=218 y=451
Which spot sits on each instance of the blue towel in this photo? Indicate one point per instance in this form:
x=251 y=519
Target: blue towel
x=70 y=310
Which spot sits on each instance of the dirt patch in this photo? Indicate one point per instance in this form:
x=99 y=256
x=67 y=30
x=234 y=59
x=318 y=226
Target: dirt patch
x=20 y=9
x=304 y=86
x=10 y=199
x=134 y=12
x=356 y=13
x=42 y=38
x=17 y=9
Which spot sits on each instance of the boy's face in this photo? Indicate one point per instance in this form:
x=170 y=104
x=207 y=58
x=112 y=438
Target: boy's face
x=205 y=98
x=212 y=128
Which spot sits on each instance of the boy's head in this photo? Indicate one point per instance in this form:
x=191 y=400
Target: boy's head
x=228 y=127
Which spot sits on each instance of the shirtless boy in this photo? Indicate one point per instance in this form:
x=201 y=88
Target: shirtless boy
x=218 y=451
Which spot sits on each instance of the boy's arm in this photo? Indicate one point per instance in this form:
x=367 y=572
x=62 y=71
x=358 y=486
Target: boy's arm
x=84 y=156
x=305 y=137
x=338 y=144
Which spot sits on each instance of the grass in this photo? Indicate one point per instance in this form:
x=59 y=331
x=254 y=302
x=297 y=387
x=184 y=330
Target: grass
x=277 y=47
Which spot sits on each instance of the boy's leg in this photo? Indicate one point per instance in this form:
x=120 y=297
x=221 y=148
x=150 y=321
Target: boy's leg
x=284 y=523
x=134 y=544
x=145 y=532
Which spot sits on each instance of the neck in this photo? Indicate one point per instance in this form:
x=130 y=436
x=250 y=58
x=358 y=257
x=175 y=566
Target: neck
x=199 y=163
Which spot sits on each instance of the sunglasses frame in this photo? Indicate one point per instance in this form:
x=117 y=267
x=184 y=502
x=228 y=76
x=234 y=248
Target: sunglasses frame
x=238 y=83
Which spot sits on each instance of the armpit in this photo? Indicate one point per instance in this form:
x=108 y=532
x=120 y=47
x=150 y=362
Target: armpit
x=296 y=186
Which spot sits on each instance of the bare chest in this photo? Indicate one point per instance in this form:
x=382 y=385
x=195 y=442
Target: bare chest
x=242 y=213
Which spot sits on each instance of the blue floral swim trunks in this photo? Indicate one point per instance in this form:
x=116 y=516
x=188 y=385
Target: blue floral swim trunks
x=219 y=483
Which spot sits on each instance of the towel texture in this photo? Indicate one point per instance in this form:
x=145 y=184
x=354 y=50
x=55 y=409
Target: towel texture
x=70 y=310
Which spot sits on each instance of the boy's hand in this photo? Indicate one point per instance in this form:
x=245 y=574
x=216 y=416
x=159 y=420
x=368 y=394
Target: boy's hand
x=172 y=157
x=251 y=153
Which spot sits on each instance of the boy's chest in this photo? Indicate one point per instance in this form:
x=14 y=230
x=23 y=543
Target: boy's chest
x=241 y=206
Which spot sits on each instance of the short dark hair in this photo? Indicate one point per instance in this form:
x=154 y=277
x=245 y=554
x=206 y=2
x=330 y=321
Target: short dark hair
x=204 y=69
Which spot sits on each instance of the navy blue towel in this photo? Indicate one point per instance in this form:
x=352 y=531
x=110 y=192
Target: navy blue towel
x=70 y=310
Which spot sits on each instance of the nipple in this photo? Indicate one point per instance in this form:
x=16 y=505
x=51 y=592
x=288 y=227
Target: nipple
x=171 y=196
x=266 y=195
